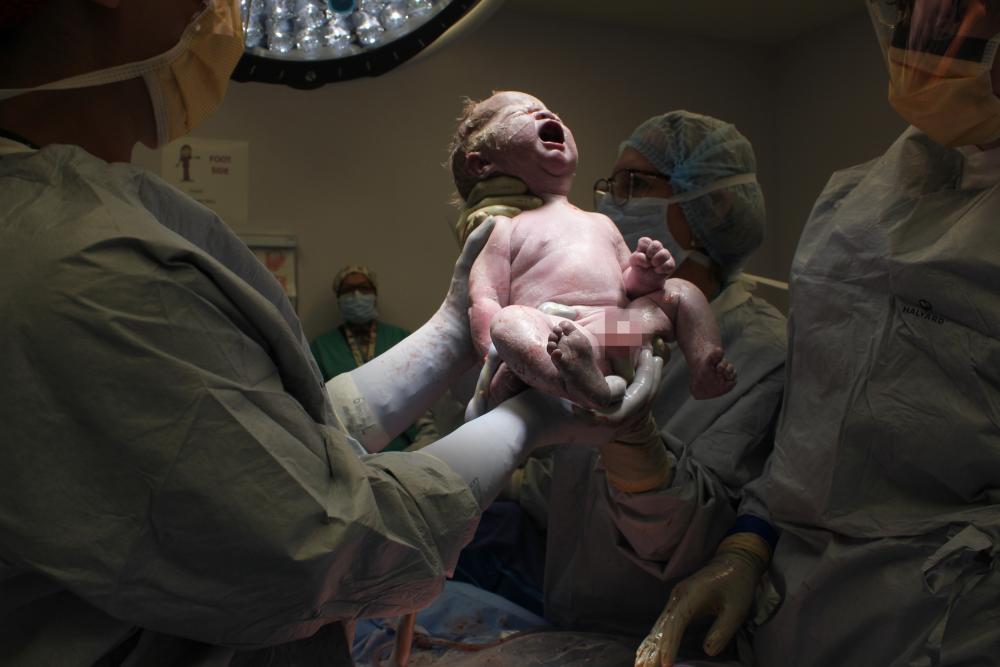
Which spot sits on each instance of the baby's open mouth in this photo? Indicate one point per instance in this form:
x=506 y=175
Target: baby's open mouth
x=551 y=132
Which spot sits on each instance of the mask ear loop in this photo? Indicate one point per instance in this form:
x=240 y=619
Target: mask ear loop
x=695 y=252
x=701 y=258
x=117 y=73
x=159 y=103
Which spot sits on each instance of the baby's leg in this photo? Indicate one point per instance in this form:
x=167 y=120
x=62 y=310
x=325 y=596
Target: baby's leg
x=697 y=336
x=522 y=335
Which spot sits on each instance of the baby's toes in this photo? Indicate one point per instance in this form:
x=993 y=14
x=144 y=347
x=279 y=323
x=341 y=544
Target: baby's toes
x=565 y=327
x=726 y=370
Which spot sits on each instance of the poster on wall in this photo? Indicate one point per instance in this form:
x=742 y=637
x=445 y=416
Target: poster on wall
x=278 y=253
x=213 y=172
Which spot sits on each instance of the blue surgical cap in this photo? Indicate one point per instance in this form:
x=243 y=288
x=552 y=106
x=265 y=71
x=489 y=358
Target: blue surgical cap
x=697 y=151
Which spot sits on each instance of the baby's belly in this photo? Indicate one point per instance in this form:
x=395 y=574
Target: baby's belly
x=585 y=281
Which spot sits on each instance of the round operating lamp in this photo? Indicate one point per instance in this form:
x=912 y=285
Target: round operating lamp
x=308 y=43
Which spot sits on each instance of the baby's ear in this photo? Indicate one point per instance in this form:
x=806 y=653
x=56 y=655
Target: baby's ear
x=478 y=165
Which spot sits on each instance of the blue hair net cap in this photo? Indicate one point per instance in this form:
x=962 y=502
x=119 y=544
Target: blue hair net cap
x=696 y=151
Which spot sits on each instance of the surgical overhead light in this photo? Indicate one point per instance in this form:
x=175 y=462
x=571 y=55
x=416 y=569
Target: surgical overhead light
x=307 y=43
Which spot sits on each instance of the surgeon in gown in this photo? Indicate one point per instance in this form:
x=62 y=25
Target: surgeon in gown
x=616 y=543
x=885 y=477
x=177 y=484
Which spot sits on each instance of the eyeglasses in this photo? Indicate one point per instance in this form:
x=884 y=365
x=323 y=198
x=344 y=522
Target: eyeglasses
x=625 y=184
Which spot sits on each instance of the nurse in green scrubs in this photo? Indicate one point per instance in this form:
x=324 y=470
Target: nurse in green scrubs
x=360 y=338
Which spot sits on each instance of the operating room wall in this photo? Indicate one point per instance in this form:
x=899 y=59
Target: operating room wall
x=354 y=169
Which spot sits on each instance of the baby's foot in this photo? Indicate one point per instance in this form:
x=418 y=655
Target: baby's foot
x=573 y=356
x=712 y=376
x=651 y=264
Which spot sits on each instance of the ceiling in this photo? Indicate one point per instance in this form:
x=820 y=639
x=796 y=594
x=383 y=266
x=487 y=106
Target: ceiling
x=754 y=21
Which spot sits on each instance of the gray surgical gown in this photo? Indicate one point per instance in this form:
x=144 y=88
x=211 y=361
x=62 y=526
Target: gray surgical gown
x=885 y=476
x=170 y=461
x=612 y=557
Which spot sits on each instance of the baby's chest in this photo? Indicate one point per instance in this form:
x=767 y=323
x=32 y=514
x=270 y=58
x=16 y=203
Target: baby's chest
x=565 y=258
x=556 y=239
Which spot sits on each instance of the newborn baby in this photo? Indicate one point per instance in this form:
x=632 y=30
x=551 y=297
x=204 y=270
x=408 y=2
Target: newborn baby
x=556 y=290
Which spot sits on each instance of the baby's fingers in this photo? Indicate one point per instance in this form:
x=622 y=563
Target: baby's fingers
x=639 y=259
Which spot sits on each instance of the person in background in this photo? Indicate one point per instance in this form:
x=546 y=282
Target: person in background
x=615 y=545
x=362 y=337
x=885 y=475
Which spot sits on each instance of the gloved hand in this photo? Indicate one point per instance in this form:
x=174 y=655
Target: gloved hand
x=486 y=450
x=560 y=421
x=637 y=461
x=456 y=302
x=381 y=398
x=500 y=195
x=724 y=588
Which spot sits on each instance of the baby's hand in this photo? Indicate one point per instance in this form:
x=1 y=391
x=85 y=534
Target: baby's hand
x=648 y=267
x=650 y=257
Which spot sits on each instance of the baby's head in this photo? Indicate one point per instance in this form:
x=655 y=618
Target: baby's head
x=512 y=133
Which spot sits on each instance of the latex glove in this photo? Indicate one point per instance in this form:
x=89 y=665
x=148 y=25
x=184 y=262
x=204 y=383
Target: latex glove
x=477 y=406
x=562 y=421
x=456 y=303
x=500 y=195
x=380 y=399
x=486 y=451
x=723 y=588
x=637 y=461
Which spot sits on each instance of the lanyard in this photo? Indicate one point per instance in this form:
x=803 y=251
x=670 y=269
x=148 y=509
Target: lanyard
x=356 y=349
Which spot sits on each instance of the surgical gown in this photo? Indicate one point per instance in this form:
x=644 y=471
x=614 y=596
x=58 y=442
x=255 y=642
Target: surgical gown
x=613 y=557
x=885 y=477
x=170 y=460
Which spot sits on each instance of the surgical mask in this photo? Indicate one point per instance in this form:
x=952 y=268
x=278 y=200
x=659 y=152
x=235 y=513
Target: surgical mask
x=647 y=216
x=950 y=99
x=357 y=308
x=187 y=83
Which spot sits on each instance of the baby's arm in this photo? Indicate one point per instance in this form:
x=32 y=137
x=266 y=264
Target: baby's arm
x=489 y=283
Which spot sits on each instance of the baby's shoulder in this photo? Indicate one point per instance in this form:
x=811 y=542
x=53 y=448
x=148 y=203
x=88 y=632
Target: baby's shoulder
x=602 y=221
